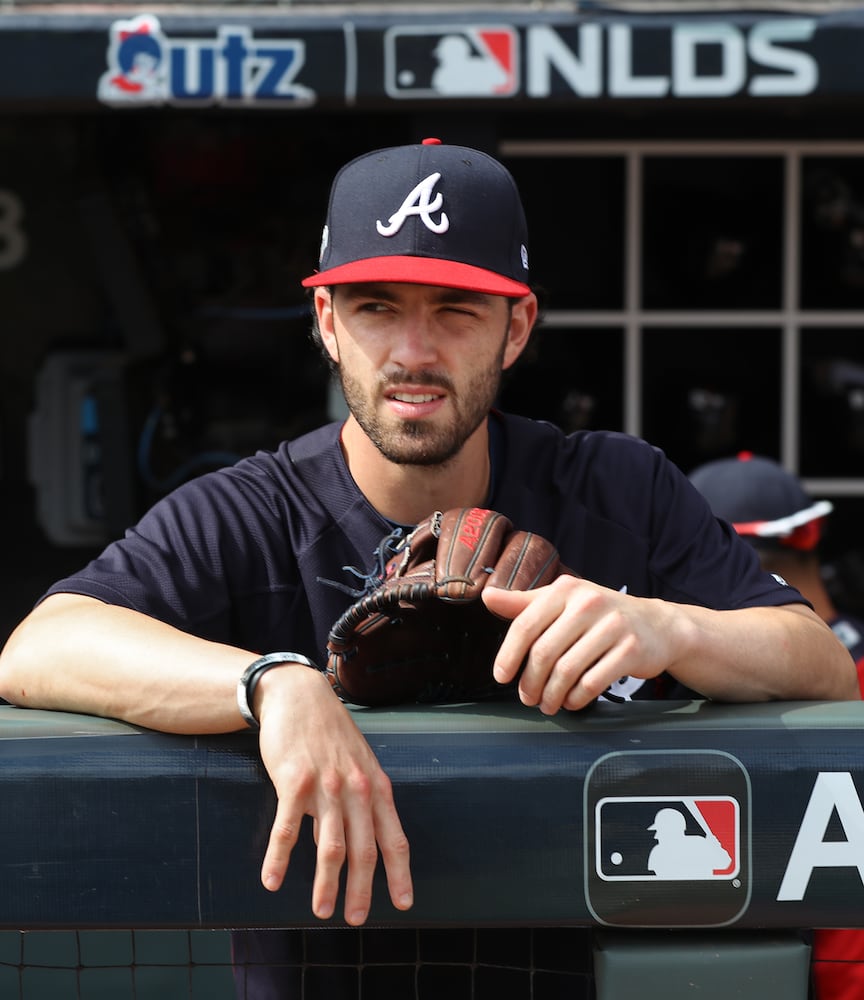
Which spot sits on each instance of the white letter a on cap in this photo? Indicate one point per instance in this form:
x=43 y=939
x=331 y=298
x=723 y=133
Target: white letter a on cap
x=419 y=202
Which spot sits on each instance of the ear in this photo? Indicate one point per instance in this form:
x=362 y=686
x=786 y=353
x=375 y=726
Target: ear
x=522 y=320
x=323 y=301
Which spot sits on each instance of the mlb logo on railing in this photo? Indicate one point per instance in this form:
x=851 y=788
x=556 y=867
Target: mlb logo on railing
x=667 y=838
x=663 y=839
x=460 y=61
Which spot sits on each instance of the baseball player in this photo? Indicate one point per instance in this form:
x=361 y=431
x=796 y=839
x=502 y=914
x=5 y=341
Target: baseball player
x=421 y=299
x=680 y=854
x=767 y=505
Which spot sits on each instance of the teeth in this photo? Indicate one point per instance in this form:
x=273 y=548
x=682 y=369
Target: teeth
x=409 y=397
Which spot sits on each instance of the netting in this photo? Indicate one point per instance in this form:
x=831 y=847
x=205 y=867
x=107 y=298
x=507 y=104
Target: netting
x=115 y=965
x=339 y=964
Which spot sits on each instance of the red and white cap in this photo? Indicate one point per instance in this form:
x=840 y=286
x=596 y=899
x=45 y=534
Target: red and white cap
x=428 y=214
x=763 y=501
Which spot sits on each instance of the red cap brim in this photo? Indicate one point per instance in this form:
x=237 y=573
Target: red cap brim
x=419 y=271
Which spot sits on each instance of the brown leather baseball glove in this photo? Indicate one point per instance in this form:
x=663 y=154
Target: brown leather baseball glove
x=423 y=634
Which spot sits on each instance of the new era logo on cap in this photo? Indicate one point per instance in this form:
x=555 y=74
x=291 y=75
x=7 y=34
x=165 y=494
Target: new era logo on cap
x=426 y=214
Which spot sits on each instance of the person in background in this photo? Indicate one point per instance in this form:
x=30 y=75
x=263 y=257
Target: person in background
x=769 y=507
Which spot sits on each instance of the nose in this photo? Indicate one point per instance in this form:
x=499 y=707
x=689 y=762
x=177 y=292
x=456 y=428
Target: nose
x=414 y=344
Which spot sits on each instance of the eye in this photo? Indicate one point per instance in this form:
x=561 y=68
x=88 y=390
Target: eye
x=459 y=313
x=472 y=306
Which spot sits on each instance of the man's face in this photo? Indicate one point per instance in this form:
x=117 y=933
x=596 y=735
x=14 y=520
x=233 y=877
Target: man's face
x=420 y=366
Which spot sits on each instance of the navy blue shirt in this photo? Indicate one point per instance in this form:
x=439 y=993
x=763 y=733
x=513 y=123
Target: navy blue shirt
x=249 y=555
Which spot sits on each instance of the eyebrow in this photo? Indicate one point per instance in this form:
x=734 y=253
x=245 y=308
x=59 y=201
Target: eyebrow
x=464 y=295
x=443 y=296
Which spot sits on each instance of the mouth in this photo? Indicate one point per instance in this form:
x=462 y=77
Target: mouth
x=414 y=403
x=414 y=397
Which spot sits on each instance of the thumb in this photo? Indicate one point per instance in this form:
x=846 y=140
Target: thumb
x=507 y=603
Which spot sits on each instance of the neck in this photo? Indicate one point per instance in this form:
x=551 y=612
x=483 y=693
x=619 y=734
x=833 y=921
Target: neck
x=806 y=575
x=408 y=493
x=822 y=603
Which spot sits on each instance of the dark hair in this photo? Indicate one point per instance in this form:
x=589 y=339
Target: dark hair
x=315 y=332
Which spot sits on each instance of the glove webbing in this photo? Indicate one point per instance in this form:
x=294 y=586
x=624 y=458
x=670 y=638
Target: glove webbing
x=385 y=600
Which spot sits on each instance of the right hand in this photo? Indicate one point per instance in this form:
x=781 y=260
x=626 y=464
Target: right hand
x=322 y=766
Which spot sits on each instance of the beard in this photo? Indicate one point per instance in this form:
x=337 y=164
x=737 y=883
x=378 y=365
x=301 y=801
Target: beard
x=420 y=442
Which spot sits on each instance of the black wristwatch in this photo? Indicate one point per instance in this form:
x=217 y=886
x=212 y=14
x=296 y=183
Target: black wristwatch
x=252 y=674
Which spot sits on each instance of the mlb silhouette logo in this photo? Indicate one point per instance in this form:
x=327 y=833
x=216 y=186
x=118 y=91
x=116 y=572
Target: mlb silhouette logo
x=460 y=61
x=667 y=839
x=656 y=838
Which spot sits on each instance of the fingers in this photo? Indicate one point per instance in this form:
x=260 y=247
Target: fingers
x=371 y=822
x=534 y=629
x=352 y=818
x=396 y=855
x=340 y=784
x=283 y=837
x=510 y=604
x=331 y=855
x=567 y=639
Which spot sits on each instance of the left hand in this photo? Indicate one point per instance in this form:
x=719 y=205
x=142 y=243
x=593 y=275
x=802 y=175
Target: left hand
x=578 y=638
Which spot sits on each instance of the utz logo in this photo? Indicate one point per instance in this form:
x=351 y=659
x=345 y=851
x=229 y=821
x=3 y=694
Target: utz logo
x=451 y=62
x=667 y=839
x=147 y=67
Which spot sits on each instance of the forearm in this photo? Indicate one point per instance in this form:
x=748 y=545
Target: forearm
x=762 y=654
x=77 y=654
x=80 y=655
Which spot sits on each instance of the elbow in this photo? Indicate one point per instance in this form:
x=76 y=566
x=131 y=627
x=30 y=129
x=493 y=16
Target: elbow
x=25 y=659
x=29 y=660
x=12 y=672
x=845 y=683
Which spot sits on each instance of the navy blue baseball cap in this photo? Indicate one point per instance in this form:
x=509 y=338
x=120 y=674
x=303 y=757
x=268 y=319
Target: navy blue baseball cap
x=428 y=214
x=763 y=501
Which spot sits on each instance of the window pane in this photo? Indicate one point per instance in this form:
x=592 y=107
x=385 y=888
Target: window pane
x=711 y=393
x=575 y=210
x=832 y=403
x=832 y=233
x=713 y=230
x=842 y=549
x=572 y=377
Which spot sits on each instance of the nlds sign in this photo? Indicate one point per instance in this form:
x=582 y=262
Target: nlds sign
x=234 y=65
x=683 y=60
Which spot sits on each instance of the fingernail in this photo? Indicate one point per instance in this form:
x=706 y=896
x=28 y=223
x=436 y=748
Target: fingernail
x=271 y=882
x=406 y=900
x=357 y=917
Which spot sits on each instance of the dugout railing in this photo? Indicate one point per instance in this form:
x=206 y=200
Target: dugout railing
x=127 y=854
